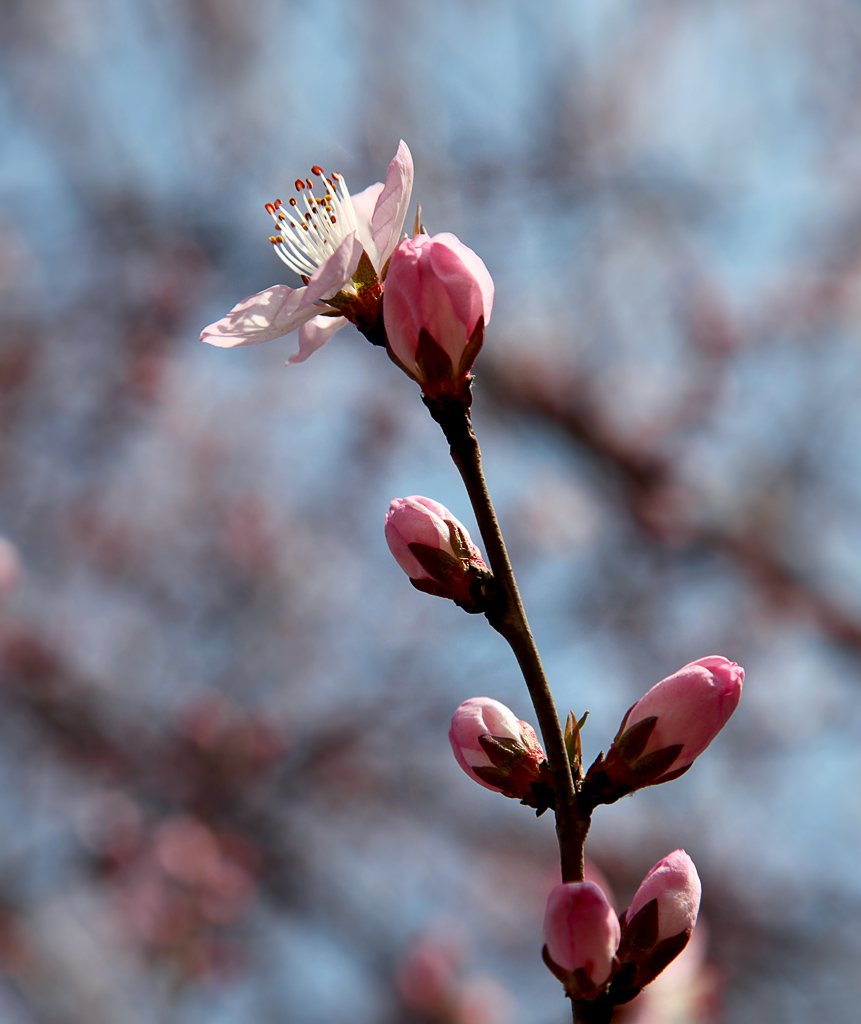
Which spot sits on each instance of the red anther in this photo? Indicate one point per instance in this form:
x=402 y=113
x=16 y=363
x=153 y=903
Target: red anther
x=309 y=184
x=299 y=184
x=292 y=201
x=317 y=170
x=332 y=219
x=308 y=217
x=336 y=176
x=270 y=208
x=278 y=203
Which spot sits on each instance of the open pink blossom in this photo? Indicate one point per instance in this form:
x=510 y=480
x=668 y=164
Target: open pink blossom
x=322 y=236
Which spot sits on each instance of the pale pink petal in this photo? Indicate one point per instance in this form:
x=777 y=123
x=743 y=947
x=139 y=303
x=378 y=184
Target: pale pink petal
x=471 y=268
x=364 y=205
x=314 y=334
x=269 y=314
x=330 y=277
x=393 y=203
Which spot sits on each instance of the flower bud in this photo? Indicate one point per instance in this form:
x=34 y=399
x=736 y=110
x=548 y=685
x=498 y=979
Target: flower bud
x=676 y=886
x=437 y=303
x=581 y=936
x=500 y=752
x=668 y=728
x=659 y=922
x=436 y=552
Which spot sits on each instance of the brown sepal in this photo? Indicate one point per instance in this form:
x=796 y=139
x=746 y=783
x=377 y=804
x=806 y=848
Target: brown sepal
x=544 y=798
x=492 y=776
x=433 y=362
x=458 y=541
x=633 y=741
x=431 y=587
x=439 y=564
x=640 y=934
x=473 y=347
x=554 y=968
x=677 y=773
x=641 y=967
x=650 y=769
x=504 y=752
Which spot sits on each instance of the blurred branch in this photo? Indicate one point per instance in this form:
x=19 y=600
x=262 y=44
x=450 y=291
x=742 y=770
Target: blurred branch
x=651 y=492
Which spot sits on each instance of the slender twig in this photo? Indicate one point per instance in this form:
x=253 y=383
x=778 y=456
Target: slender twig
x=508 y=618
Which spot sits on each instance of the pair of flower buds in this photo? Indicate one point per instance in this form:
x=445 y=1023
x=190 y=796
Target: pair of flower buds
x=659 y=739
x=350 y=253
x=592 y=950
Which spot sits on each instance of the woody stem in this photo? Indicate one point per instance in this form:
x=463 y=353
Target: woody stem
x=507 y=616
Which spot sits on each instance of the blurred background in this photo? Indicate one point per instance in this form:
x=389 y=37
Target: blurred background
x=228 y=792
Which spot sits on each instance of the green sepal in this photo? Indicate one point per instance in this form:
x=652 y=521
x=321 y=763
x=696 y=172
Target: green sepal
x=365 y=276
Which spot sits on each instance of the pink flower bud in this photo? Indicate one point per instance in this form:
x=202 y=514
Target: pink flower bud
x=659 y=922
x=435 y=550
x=675 y=884
x=581 y=931
x=690 y=708
x=482 y=717
x=437 y=302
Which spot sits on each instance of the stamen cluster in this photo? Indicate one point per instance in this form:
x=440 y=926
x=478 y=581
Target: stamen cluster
x=311 y=228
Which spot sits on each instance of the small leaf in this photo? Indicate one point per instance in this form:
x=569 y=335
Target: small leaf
x=573 y=745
